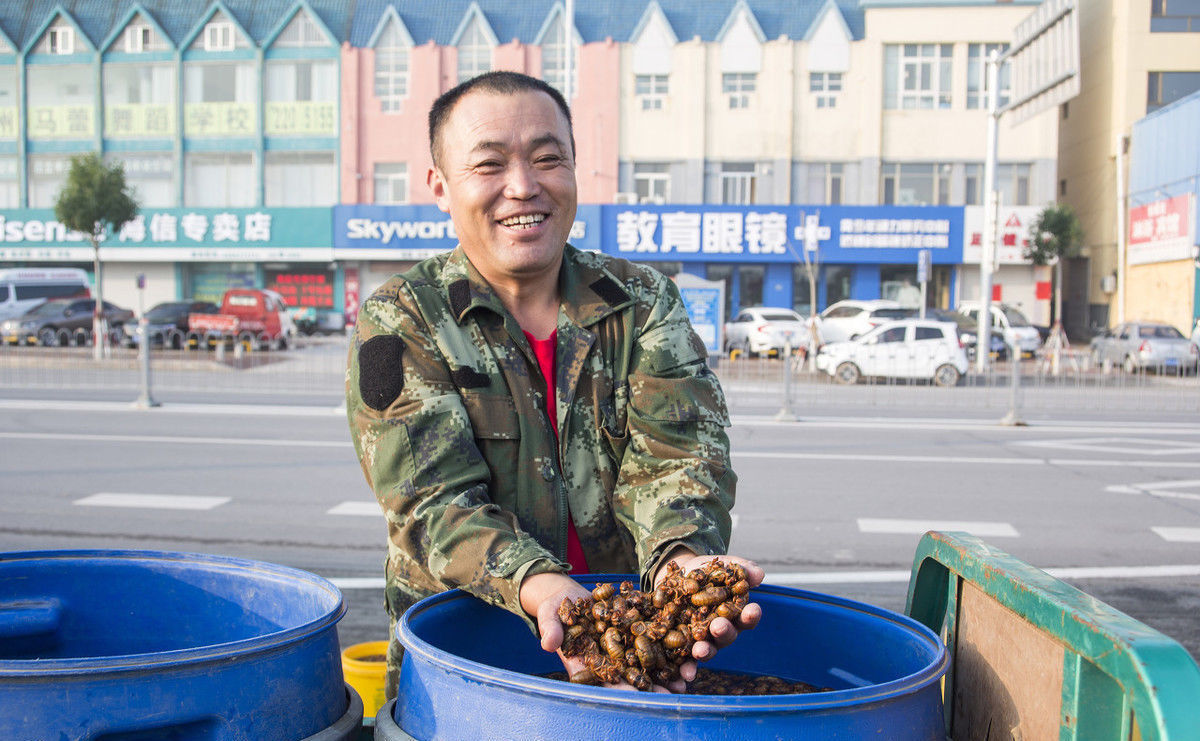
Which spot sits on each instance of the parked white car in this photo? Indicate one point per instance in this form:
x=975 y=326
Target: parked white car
x=850 y=318
x=767 y=330
x=1010 y=323
x=908 y=348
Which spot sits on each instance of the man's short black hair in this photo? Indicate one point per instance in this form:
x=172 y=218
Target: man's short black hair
x=502 y=83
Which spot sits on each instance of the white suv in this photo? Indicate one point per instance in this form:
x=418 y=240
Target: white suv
x=848 y=319
x=1010 y=323
x=909 y=348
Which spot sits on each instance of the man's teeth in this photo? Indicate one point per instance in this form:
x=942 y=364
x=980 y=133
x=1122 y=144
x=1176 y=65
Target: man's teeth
x=526 y=220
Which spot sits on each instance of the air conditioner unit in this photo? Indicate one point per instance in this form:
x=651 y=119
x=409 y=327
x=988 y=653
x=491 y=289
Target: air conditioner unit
x=628 y=199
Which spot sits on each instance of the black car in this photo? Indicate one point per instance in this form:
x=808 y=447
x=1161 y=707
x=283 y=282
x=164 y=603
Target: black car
x=167 y=323
x=64 y=321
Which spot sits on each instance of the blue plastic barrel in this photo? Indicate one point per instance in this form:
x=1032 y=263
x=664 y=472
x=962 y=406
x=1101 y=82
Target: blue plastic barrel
x=133 y=645
x=471 y=671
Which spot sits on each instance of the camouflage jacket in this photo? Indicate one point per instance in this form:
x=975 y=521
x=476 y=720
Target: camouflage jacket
x=446 y=408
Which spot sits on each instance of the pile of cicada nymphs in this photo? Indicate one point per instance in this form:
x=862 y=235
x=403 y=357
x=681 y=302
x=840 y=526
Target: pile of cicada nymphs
x=626 y=635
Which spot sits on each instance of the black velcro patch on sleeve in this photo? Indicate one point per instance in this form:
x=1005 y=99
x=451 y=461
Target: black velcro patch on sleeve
x=460 y=296
x=380 y=371
x=466 y=377
x=609 y=290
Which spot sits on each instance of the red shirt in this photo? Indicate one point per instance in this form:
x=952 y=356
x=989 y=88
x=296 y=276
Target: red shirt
x=543 y=350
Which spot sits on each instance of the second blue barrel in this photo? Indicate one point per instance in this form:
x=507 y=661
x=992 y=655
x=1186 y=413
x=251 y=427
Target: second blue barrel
x=473 y=671
x=137 y=645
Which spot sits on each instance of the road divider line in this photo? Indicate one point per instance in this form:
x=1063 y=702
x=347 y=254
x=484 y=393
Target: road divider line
x=1178 y=534
x=920 y=527
x=967 y=460
x=150 y=501
x=357 y=509
x=896 y=575
x=244 y=441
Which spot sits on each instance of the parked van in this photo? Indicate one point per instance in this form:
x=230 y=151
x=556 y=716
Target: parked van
x=1010 y=323
x=22 y=289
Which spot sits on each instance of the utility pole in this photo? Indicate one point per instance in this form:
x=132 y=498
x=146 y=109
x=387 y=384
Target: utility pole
x=992 y=201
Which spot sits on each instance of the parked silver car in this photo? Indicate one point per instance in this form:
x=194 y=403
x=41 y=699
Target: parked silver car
x=767 y=330
x=1143 y=345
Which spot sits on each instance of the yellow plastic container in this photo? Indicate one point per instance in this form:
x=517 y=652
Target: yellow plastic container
x=365 y=667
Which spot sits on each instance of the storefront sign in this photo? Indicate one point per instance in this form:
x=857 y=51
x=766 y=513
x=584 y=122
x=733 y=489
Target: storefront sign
x=306 y=117
x=8 y=123
x=1163 y=231
x=705 y=302
x=844 y=234
x=62 y=122
x=415 y=232
x=170 y=235
x=303 y=289
x=219 y=119
x=1012 y=237
x=139 y=120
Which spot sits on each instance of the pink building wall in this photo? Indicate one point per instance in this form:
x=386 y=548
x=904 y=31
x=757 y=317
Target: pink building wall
x=369 y=135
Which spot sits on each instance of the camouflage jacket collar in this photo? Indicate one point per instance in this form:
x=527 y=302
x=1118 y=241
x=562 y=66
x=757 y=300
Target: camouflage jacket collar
x=589 y=292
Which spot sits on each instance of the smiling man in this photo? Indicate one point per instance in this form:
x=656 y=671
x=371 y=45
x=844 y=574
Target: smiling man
x=523 y=409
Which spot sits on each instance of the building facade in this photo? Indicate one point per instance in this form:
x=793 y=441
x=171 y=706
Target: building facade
x=1136 y=56
x=709 y=134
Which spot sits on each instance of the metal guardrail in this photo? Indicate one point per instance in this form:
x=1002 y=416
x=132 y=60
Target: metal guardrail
x=317 y=365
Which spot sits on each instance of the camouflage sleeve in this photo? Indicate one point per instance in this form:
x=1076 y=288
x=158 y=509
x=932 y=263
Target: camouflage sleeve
x=415 y=444
x=675 y=485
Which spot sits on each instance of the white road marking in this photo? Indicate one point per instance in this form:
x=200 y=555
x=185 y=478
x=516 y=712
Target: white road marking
x=966 y=460
x=1123 y=445
x=1164 y=489
x=920 y=527
x=357 y=509
x=239 y=441
x=150 y=501
x=801 y=578
x=1178 y=534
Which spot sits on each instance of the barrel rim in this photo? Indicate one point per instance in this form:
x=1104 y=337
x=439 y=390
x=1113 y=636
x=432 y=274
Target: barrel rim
x=265 y=643
x=416 y=647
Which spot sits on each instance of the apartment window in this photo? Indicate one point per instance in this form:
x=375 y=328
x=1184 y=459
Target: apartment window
x=977 y=56
x=825 y=87
x=737 y=183
x=554 y=59
x=47 y=174
x=299 y=179
x=60 y=40
x=133 y=84
x=1173 y=16
x=916 y=76
x=301 y=33
x=651 y=182
x=1168 y=87
x=391 y=68
x=219 y=36
x=301 y=81
x=391 y=182
x=915 y=184
x=152 y=176
x=9 y=191
x=138 y=38
x=220 y=179
x=737 y=86
x=474 y=52
x=651 y=90
x=825 y=183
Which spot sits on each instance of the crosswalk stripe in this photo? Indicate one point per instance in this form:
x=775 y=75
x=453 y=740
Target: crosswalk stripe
x=1178 y=534
x=150 y=501
x=919 y=527
x=356 y=509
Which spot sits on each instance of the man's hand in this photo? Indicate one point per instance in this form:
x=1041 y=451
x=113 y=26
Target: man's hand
x=540 y=596
x=722 y=630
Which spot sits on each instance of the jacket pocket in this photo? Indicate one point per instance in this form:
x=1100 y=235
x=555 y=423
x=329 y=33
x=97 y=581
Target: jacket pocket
x=492 y=417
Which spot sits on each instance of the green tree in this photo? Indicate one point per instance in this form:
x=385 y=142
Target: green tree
x=1055 y=234
x=95 y=201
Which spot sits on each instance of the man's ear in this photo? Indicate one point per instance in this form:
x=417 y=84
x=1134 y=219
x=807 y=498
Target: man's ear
x=437 y=185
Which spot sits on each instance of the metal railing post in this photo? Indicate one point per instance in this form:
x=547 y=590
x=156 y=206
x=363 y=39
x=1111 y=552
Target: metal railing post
x=785 y=414
x=146 y=399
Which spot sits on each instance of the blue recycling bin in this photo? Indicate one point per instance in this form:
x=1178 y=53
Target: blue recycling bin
x=131 y=645
x=473 y=671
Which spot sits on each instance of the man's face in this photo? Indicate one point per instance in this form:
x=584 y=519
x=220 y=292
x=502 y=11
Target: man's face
x=507 y=178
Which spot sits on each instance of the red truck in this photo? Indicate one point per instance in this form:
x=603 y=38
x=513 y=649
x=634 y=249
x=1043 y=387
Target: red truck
x=251 y=316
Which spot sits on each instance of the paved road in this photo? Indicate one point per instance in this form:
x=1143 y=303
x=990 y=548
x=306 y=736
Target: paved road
x=833 y=503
